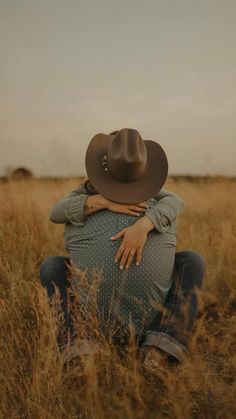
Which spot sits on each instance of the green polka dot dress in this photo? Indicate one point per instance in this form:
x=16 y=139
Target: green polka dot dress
x=129 y=296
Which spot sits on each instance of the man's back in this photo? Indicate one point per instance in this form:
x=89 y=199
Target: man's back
x=129 y=293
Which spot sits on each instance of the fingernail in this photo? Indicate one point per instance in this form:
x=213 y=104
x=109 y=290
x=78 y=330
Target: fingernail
x=121 y=267
x=112 y=238
x=137 y=264
x=115 y=260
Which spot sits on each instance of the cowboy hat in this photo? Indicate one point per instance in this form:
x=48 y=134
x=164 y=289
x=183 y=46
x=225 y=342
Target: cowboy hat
x=124 y=168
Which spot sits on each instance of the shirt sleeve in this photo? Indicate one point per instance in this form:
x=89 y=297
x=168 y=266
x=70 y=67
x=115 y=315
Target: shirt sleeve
x=70 y=209
x=165 y=211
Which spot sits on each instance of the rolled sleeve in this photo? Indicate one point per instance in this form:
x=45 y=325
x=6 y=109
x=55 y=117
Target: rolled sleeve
x=159 y=219
x=165 y=211
x=70 y=209
x=74 y=211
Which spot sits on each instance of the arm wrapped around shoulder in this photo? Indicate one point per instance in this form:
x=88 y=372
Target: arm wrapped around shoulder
x=70 y=209
x=166 y=210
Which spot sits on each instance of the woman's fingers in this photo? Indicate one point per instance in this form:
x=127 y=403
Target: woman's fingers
x=139 y=256
x=130 y=259
x=127 y=255
x=129 y=212
x=137 y=208
x=118 y=235
x=134 y=211
x=124 y=258
x=119 y=253
x=142 y=205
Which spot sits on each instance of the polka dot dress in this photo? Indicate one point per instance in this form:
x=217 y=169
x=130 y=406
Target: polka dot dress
x=129 y=296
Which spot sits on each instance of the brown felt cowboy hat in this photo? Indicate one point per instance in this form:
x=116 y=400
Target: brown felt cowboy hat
x=124 y=168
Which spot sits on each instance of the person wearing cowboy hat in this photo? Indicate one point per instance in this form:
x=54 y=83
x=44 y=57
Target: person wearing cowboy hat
x=124 y=192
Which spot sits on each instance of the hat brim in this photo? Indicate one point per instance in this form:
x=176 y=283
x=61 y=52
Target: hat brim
x=138 y=191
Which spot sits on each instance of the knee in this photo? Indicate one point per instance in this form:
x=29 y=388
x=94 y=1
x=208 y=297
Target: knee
x=47 y=269
x=196 y=260
x=195 y=263
x=52 y=268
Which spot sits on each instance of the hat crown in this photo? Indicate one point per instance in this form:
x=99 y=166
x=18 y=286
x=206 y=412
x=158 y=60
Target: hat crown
x=127 y=156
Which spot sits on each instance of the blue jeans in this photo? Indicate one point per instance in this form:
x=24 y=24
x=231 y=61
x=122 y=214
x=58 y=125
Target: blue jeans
x=172 y=326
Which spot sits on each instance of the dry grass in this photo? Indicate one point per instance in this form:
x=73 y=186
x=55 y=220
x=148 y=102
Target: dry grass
x=34 y=383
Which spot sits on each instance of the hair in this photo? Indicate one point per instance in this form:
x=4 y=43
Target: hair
x=90 y=188
x=87 y=184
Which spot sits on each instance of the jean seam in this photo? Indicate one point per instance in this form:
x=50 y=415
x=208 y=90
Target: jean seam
x=164 y=328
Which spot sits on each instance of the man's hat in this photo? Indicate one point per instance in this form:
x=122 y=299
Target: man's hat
x=124 y=168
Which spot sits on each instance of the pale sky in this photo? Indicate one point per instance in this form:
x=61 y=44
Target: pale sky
x=71 y=68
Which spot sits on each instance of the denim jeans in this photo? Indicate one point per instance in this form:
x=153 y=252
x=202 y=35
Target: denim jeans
x=172 y=326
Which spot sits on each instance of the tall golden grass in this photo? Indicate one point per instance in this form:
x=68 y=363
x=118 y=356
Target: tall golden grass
x=33 y=381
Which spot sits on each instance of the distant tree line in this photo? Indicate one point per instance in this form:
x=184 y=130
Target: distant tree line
x=17 y=173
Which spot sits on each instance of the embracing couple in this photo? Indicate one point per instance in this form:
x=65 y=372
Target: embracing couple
x=122 y=222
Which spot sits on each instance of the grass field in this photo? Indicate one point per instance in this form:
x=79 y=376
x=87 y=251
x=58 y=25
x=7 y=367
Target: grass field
x=34 y=383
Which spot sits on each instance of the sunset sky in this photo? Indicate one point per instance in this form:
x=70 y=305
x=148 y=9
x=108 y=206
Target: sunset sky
x=71 y=68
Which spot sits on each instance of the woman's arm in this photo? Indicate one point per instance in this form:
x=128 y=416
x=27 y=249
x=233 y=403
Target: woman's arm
x=167 y=208
x=70 y=208
x=77 y=205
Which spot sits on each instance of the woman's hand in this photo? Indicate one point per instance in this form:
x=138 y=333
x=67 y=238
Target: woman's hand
x=129 y=209
x=134 y=239
x=98 y=202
